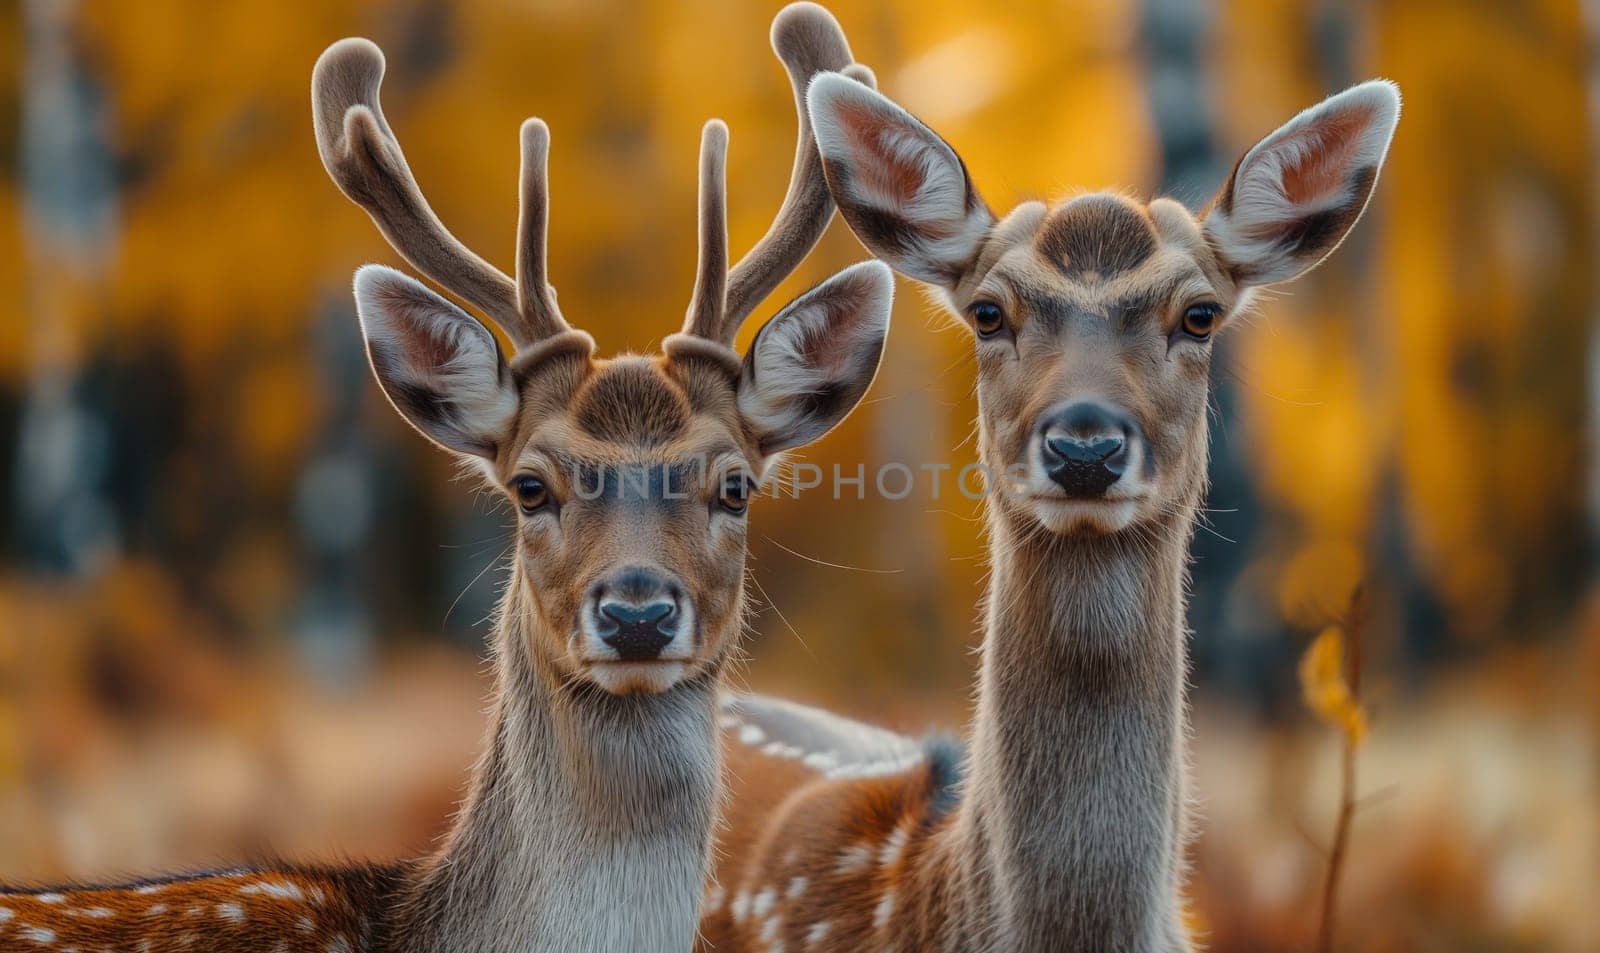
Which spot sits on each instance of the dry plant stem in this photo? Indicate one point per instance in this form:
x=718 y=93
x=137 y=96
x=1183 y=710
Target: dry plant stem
x=1341 y=838
x=1347 y=781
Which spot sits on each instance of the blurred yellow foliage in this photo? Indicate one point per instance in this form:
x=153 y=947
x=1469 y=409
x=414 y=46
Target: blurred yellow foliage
x=1325 y=688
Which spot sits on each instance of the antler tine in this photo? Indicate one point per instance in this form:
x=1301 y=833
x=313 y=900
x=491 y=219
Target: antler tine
x=364 y=159
x=536 y=299
x=808 y=40
x=707 y=306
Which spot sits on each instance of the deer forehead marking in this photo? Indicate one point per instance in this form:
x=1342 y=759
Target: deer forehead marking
x=1096 y=237
x=629 y=400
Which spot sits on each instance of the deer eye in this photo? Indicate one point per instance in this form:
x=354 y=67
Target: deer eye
x=735 y=496
x=1201 y=319
x=988 y=319
x=532 y=495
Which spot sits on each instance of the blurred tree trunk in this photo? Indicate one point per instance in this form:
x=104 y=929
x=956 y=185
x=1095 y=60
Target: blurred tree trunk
x=1176 y=39
x=1591 y=11
x=335 y=503
x=1590 y=632
x=65 y=525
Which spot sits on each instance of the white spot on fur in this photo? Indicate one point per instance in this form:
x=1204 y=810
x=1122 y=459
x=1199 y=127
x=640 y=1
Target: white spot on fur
x=797 y=886
x=40 y=935
x=195 y=911
x=305 y=925
x=890 y=854
x=769 y=930
x=94 y=913
x=740 y=905
x=6 y=914
x=150 y=888
x=818 y=931
x=885 y=910
x=821 y=761
x=156 y=909
x=751 y=734
x=878 y=769
x=277 y=889
x=231 y=911
x=764 y=901
x=852 y=859
x=778 y=749
x=49 y=898
x=317 y=896
x=714 y=898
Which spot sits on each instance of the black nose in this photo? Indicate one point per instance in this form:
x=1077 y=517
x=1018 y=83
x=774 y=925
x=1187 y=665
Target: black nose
x=636 y=613
x=1085 y=447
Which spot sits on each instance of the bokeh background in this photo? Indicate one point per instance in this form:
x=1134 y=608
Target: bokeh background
x=242 y=607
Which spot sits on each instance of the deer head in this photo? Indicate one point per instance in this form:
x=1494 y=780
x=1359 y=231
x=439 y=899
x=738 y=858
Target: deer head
x=1094 y=318
x=630 y=476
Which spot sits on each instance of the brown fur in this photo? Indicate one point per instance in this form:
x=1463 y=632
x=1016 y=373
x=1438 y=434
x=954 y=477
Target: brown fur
x=300 y=910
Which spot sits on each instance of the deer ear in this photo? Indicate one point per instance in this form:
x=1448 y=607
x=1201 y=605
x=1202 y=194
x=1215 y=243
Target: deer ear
x=439 y=367
x=1292 y=199
x=901 y=188
x=809 y=366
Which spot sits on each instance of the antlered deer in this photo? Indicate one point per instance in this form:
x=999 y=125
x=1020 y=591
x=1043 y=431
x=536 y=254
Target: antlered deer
x=588 y=822
x=1063 y=826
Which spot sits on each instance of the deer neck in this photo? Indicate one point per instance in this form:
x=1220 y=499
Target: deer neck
x=587 y=826
x=1076 y=787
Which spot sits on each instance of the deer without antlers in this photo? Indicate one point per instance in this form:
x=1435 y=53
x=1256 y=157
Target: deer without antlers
x=588 y=821
x=1062 y=826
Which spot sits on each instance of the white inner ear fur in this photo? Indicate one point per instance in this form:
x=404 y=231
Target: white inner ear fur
x=810 y=365
x=1321 y=148
x=896 y=166
x=422 y=345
